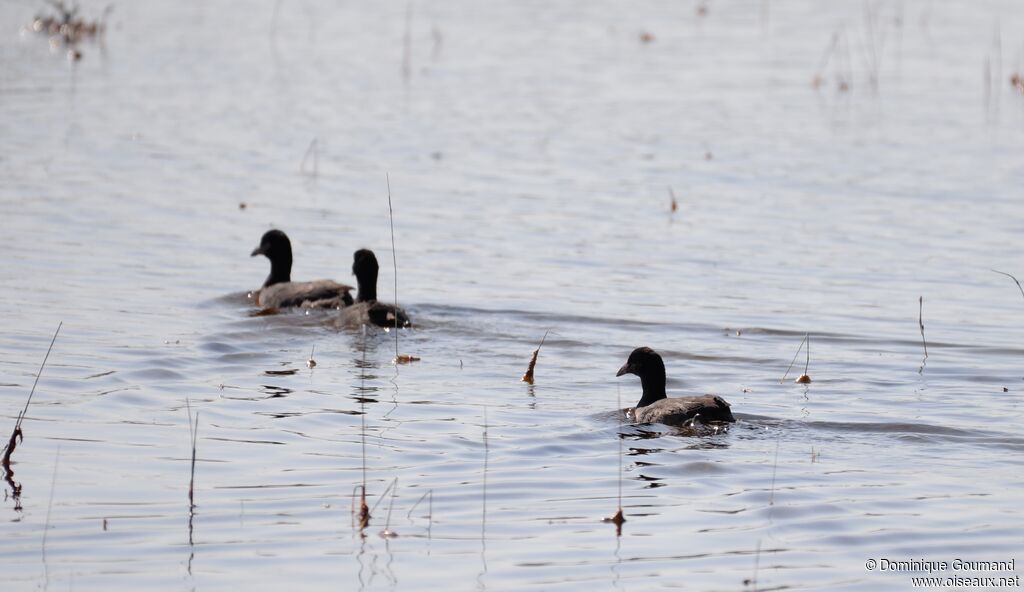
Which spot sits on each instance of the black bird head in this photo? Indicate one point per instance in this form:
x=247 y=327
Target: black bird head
x=643 y=361
x=365 y=268
x=647 y=364
x=275 y=246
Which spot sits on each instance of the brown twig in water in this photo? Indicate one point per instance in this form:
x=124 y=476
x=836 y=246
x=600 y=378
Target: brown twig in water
x=17 y=435
x=528 y=377
x=364 y=510
x=1012 y=278
x=673 y=204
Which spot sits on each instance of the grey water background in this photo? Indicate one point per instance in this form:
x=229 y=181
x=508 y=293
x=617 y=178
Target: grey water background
x=531 y=148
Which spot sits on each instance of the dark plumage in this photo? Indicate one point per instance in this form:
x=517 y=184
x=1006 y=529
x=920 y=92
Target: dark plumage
x=655 y=407
x=280 y=291
x=367 y=310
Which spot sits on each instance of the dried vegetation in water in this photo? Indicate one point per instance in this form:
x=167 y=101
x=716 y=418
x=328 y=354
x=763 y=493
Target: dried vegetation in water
x=66 y=28
x=528 y=377
x=803 y=378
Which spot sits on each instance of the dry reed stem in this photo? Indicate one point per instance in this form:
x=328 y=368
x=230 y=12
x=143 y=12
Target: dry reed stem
x=528 y=377
x=49 y=504
x=757 y=559
x=399 y=358
x=775 y=466
x=483 y=494
x=804 y=378
x=364 y=510
x=619 y=516
x=1012 y=278
x=387 y=533
x=407 y=46
x=313 y=151
x=920 y=323
x=17 y=435
x=427 y=495
x=193 y=431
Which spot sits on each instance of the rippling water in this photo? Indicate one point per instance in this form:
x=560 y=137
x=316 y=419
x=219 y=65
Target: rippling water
x=531 y=148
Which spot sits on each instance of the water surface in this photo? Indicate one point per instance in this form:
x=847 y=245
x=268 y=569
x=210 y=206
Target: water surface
x=532 y=148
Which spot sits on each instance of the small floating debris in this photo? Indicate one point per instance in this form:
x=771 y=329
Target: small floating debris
x=405 y=359
x=66 y=28
x=617 y=519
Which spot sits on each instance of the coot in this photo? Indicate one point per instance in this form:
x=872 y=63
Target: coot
x=655 y=407
x=279 y=291
x=367 y=310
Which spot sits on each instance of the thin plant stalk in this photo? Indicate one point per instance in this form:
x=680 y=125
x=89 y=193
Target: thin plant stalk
x=920 y=323
x=17 y=435
x=793 y=361
x=49 y=504
x=387 y=532
x=775 y=466
x=394 y=259
x=1012 y=278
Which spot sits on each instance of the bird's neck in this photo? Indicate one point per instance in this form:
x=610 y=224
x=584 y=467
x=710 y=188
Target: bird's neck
x=654 y=390
x=367 y=287
x=280 y=271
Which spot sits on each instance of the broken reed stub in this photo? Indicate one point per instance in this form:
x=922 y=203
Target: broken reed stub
x=803 y=379
x=528 y=376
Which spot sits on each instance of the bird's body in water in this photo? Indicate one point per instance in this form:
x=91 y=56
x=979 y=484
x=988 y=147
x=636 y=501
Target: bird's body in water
x=655 y=407
x=367 y=310
x=279 y=291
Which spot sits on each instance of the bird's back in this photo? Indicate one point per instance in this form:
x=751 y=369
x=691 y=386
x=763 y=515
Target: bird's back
x=679 y=410
x=315 y=294
x=372 y=313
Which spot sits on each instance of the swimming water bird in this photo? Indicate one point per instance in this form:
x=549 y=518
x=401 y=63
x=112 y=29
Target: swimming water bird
x=279 y=291
x=655 y=407
x=367 y=310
